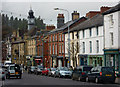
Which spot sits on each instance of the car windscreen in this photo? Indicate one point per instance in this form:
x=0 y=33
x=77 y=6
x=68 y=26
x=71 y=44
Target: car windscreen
x=53 y=69
x=33 y=67
x=107 y=69
x=7 y=63
x=87 y=68
x=12 y=68
x=40 y=66
x=64 y=68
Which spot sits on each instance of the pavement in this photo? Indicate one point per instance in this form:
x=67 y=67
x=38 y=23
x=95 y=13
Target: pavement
x=117 y=80
x=31 y=80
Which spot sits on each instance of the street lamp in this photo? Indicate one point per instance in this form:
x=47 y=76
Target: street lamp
x=68 y=35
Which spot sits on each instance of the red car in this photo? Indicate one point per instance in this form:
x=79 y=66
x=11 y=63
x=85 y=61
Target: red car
x=45 y=71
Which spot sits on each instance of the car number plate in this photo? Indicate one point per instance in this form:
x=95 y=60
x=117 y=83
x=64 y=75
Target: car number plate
x=11 y=73
x=108 y=75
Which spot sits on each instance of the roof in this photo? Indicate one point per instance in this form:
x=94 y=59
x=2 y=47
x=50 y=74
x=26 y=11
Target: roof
x=32 y=32
x=70 y=23
x=113 y=9
x=89 y=23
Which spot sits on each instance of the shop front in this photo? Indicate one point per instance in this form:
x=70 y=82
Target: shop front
x=95 y=60
x=54 y=61
x=112 y=59
x=83 y=59
x=59 y=61
x=37 y=60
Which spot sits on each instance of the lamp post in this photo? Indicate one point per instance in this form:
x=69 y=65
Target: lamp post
x=68 y=35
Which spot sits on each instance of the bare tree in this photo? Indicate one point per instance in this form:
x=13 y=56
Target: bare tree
x=74 y=50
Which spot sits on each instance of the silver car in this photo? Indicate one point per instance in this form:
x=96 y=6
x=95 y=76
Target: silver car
x=2 y=74
x=51 y=72
x=63 y=72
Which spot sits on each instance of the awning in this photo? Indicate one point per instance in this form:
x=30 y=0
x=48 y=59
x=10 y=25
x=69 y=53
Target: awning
x=53 y=56
x=82 y=56
x=60 y=57
x=37 y=59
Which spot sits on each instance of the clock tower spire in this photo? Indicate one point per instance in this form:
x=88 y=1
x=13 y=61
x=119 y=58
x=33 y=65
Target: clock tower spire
x=31 y=19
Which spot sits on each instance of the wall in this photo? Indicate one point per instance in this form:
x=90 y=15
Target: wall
x=93 y=38
x=113 y=29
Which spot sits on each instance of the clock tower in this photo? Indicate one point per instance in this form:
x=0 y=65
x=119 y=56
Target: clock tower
x=31 y=19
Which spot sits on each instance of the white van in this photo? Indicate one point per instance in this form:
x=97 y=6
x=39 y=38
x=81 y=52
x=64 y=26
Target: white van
x=7 y=63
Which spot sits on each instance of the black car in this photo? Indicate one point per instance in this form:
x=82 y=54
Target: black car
x=38 y=70
x=31 y=69
x=101 y=74
x=80 y=73
x=13 y=71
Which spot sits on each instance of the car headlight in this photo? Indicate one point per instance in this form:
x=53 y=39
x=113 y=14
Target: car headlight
x=62 y=72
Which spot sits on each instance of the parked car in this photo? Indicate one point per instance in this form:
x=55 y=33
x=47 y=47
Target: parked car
x=13 y=71
x=45 y=71
x=62 y=72
x=101 y=74
x=2 y=74
x=51 y=72
x=38 y=70
x=31 y=69
x=80 y=73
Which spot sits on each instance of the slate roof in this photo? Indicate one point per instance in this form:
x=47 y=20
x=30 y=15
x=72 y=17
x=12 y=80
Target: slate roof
x=65 y=25
x=89 y=23
x=113 y=9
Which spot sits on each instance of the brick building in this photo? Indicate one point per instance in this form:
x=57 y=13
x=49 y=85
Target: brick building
x=57 y=40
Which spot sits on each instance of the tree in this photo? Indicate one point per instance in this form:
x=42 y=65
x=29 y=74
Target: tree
x=74 y=50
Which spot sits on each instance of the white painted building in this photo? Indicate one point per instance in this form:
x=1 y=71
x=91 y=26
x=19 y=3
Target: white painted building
x=91 y=41
x=112 y=37
x=73 y=48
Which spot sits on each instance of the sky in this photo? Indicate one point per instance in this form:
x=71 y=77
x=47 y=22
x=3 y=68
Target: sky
x=45 y=8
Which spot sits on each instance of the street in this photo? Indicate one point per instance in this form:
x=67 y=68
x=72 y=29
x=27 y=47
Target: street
x=34 y=80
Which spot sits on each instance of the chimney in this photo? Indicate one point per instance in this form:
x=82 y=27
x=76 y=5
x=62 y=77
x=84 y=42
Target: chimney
x=60 y=20
x=75 y=15
x=103 y=9
x=90 y=14
x=50 y=27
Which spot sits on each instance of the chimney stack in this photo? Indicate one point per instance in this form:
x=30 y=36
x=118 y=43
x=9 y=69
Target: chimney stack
x=75 y=15
x=50 y=27
x=60 y=20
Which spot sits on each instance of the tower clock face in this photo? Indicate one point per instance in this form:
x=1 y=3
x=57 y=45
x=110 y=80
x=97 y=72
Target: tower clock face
x=31 y=21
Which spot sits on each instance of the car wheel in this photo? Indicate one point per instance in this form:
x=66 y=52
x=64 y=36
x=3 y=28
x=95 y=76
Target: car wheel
x=37 y=73
x=96 y=80
x=79 y=78
x=59 y=76
x=73 y=78
x=87 y=79
x=55 y=76
x=3 y=78
x=19 y=77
